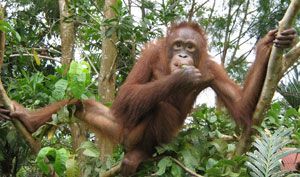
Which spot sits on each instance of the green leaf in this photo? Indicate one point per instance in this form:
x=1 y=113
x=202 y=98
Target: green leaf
x=212 y=119
x=189 y=159
x=91 y=152
x=11 y=138
x=46 y=152
x=5 y=27
x=210 y=163
x=163 y=164
x=291 y=112
x=61 y=158
x=17 y=35
x=36 y=57
x=264 y=161
x=231 y=147
x=90 y=149
x=176 y=170
x=56 y=158
x=22 y=172
x=60 y=88
x=79 y=77
x=72 y=168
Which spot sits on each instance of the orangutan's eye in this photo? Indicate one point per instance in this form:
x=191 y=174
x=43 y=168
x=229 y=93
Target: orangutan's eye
x=190 y=47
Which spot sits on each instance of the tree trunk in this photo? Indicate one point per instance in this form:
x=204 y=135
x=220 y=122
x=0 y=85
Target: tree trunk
x=108 y=62
x=67 y=35
x=106 y=87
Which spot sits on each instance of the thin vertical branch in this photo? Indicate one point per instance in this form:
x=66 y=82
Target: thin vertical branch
x=129 y=6
x=191 y=11
x=226 y=39
x=210 y=15
x=241 y=30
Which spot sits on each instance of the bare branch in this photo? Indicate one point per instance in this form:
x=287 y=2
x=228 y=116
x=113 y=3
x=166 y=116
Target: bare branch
x=185 y=168
x=291 y=57
x=112 y=172
x=40 y=56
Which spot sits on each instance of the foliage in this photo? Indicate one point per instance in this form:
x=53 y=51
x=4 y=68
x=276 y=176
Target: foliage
x=265 y=160
x=206 y=154
x=92 y=167
x=7 y=28
x=59 y=160
x=291 y=90
x=12 y=146
x=79 y=78
x=280 y=114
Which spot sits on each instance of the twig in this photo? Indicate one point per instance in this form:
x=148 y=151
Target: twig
x=45 y=49
x=185 y=168
x=31 y=55
x=112 y=172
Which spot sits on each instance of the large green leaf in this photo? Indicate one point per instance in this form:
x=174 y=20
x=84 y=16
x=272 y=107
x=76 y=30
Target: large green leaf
x=48 y=153
x=50 y=156
x=79 y=77
x=61 y=158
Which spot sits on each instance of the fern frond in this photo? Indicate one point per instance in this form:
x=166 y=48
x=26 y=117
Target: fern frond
x=265 y=160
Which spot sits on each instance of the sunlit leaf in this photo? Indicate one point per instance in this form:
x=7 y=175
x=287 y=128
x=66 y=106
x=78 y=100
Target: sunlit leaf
x=51 y=132
x=79 y=77
x=36 y=57
x=72 y=168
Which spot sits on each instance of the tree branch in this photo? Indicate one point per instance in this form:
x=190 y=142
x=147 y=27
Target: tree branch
x=291 y=57
x=185 y=168
x=112 y=172
x=4 y=99
x=275 y=66
x=31 y=55
x=278 y=64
